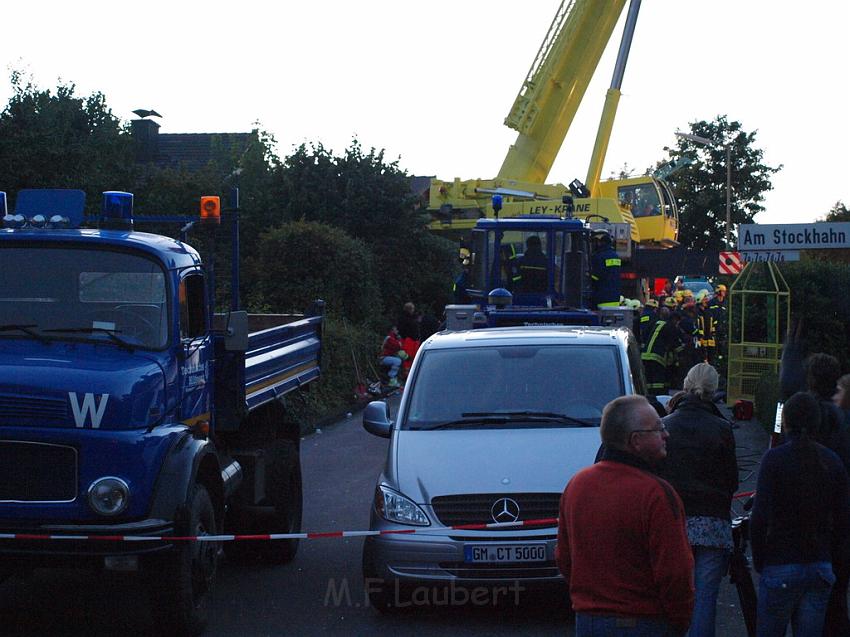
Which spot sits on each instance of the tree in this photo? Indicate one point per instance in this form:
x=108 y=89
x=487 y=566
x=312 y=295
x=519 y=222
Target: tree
x=370 y=199
x=60 y=140
x=700 y=187
x=838 y=212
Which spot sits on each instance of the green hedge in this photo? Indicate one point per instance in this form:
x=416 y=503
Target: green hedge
x=820 y=296
x=298 y=262
x=335 y=392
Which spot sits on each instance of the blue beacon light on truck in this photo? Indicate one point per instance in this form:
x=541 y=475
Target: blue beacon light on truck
x=117 y=207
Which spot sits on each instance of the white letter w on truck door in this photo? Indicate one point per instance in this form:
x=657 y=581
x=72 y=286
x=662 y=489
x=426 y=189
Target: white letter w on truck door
x=89 y=410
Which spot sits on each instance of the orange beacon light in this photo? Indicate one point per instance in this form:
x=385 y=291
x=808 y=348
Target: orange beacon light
x=211 y=209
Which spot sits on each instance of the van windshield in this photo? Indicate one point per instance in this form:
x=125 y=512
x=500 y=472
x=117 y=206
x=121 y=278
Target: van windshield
x=53 y=293
x=514 y=386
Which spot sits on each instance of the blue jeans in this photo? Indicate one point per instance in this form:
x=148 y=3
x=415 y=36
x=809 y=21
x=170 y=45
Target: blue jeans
x=393 y=362
x=613 y=626
x=710 y=565
x=797 y=593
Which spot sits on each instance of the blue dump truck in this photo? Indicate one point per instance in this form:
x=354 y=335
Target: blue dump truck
x=129 y=408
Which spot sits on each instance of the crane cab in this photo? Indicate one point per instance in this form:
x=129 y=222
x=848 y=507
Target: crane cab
x=652 y=205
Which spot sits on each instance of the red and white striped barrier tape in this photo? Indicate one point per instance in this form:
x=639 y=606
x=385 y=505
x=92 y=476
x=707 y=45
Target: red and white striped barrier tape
x=278 y=536
x=542 y=522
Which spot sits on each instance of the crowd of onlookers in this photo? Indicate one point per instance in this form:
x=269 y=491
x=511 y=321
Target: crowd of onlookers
x=645 y=534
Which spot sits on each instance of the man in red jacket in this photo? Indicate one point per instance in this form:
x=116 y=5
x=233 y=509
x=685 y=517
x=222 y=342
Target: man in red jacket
x=622 y=544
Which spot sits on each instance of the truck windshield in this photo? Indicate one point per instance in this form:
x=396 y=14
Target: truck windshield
x=514 y=386
x=79 y=294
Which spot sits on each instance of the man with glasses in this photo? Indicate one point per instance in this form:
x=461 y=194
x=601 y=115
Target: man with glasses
x=622 y=544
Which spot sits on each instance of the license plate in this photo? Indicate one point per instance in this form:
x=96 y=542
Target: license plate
x=504 y=553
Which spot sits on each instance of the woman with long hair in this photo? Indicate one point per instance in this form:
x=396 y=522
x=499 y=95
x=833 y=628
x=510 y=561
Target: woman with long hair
x=800 y=516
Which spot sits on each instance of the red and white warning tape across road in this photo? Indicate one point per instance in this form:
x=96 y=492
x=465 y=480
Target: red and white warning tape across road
x=543 y=522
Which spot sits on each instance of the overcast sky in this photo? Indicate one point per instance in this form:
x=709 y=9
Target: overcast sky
x=431 y=82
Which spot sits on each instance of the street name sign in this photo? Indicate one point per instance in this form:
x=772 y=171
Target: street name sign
x=793 y=236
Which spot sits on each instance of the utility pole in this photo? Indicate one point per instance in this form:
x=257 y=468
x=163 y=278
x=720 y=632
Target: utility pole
x=704 y=141
x=728 y=196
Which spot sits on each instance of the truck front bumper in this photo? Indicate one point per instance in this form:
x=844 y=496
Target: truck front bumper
x=56 y=551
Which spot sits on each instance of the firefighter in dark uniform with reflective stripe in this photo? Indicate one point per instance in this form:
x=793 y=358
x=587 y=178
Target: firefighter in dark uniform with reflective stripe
x=647 y=319
x=533 y=267
x=459 y=293
x=510 y=266
x=664 y=341
x=717 y=306
x=605 y=271
x=706 y=320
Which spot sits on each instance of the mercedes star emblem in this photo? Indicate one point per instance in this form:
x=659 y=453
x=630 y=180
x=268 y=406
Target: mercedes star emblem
x=505 y=510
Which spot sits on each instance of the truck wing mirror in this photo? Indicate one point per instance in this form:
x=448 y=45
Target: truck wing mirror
x=236 y=333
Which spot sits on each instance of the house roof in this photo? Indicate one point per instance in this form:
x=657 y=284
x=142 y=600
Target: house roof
x=195 y=150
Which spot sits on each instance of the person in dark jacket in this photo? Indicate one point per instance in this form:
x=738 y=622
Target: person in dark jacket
x=819 y=374
x=409 y=332
x=801 y=516
x=533 y=268
x=702 y=467
x=842 y=396
x=408 y=322
x=605 y=268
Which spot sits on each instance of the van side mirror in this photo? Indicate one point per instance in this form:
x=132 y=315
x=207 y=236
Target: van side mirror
x=376 y=419
x=236 y=332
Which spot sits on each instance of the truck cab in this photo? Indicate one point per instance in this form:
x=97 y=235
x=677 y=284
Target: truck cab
x=500 y=247
x=129 y=409
x=531 y=270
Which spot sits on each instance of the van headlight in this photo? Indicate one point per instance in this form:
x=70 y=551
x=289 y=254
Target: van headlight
x=394 y=507
x=109 y=496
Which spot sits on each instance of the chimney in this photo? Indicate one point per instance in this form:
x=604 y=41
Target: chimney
x=145 y=132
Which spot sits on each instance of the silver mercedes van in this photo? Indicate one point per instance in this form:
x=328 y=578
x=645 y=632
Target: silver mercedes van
x=492 y=425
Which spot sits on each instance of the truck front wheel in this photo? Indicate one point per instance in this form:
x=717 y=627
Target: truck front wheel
x=181 y=583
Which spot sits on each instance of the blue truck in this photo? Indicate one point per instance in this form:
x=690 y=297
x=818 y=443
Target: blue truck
x=128 y=407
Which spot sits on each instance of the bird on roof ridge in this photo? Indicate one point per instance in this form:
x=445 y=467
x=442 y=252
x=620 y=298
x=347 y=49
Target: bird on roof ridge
x=141 y=112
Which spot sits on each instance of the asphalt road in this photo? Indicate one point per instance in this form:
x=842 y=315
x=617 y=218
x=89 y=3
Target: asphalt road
x=321 y=591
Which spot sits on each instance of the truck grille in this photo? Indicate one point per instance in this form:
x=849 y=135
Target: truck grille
x=33 y=408
x=454 y=510
x=37 y=472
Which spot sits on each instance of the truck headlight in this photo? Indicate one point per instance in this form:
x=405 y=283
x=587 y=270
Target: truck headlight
x=394 y=507
x=109 y=496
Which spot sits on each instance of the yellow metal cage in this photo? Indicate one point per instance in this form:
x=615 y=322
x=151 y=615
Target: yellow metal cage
x=759 y=314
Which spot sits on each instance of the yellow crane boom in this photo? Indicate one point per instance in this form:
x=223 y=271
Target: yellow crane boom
x=547 y=103
x=542 y=114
